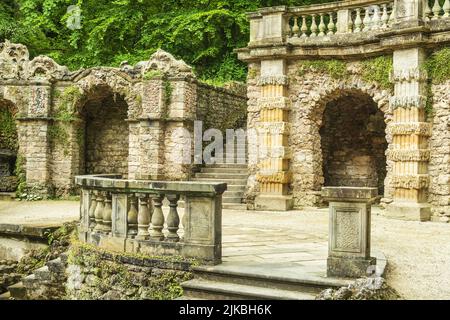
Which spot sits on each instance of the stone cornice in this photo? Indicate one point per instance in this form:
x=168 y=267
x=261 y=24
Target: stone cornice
x=347 y=46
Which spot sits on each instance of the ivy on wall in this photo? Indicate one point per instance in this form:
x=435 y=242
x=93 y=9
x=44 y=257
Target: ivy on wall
x=373 y=70
x=63 y=115
x=438 y=66
x=8 y=131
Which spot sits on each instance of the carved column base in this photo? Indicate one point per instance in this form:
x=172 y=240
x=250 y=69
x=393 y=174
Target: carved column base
x=409 y=211
x=350 y=267
x=274 y=203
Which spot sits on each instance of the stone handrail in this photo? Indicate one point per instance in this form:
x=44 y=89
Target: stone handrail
x=322 y=22
x=127 y=215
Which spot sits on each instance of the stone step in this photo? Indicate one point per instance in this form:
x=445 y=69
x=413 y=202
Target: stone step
x=231 y=200
x=236 y=187
x=233 y=194
x=222 y=175
x=227 y=165
x=213 y=290
x=234 y=206
x=239 y=182
x=18 y=291
x=255 y=279
x=224 y=170
x=7 y=196
x=5 y=296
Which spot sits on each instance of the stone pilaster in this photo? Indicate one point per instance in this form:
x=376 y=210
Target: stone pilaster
x=273 y=130
x=410 y=153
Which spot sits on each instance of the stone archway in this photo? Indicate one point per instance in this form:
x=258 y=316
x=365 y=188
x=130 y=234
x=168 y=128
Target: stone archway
x=9 y=146
x=104 y=132
x=353 y=142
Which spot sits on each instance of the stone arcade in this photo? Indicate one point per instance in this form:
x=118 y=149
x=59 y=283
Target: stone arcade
x=325 y=115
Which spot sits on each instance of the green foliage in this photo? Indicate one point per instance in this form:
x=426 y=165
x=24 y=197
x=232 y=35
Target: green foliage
x=168 y=90
x=152 y=74
x=8 y=132
x=438 y=66
x=335 y=68
x=378 y=70
x=20 y=173
x=204 y=33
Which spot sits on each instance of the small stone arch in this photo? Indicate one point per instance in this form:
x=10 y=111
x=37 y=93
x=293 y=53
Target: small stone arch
x=106 y=104
x=307 y=120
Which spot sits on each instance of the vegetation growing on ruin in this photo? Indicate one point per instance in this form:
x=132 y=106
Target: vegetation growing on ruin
x=152 y=74
x=109 y=271
x=20 y=173
x=337 y=69
x=438 y=66
x=378 y=70
x=8 y=132
x=64 y=113
x=204 y=33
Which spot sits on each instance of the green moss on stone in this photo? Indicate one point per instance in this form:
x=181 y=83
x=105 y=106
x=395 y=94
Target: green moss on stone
x=438 y=66
x=378 y=70
x=8 y=131
x=152 y=74
x=335 y=68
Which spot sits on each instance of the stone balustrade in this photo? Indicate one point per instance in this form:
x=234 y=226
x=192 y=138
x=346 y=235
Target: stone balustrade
x=127 y=216
x=340 y=18
x=439 y=10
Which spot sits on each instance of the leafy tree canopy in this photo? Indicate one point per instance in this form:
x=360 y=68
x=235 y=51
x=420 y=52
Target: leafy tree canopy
x=201 y=32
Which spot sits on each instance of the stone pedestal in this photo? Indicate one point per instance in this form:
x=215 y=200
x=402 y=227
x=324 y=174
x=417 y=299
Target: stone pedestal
x=409 y=211
x=349 y=231
x=274 y=203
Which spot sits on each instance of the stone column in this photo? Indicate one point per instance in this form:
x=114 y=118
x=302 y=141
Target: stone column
x=410 y=131
x=38 y=145
x=349 y=235
x=272 y=127
x=273 y=130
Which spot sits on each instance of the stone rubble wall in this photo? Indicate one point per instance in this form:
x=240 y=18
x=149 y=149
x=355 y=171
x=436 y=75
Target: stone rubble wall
x=439 y=167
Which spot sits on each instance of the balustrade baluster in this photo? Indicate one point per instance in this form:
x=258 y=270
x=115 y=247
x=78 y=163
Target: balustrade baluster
x=173 y=219
x=427 y=11
x=331 y=24
x=107 y=213
x=392 y=17
x=366 y=20
x=132 y=217
x=384 y=17
x=99 y=213
x=143 y=218
x=358 y=21
x=436 y=10
x=92 y=207
x=157 y=219
x=446 y=8
x=321 y=26
x=295 y=28
x=304 y=28
x=375 y=23
x=313 y=26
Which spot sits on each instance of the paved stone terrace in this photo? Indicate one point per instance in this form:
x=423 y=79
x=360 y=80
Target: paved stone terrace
x=417 y=253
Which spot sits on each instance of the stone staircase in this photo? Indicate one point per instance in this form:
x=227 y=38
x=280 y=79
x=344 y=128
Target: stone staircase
x=235 y=175
x=212 y=283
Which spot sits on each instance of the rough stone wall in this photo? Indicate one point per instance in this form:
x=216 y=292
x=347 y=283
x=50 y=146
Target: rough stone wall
x=106 y=136
x=221 y=108
x=439 y=167
x=353 y=143
x=99 y=275
x=310 y=92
